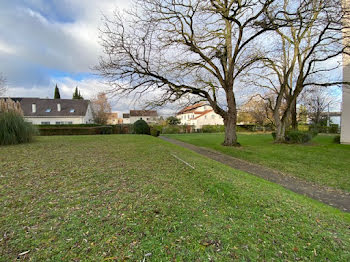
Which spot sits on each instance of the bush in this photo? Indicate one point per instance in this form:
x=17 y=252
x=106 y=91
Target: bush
x=141 y=127
x=213 y=129
x=14 y=130
x=105 y=130
x=336 y=139
x=156 y=130
x=297 y=137
x=69 y=130
x=171 y=130
x=333 y=129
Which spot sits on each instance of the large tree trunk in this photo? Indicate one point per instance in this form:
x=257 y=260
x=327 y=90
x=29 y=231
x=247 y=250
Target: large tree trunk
x=230 y=130
x=280 y=132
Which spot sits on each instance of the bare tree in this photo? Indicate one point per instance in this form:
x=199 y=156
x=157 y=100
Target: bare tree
x=2 y=85
x=255 y=110
x=100 y=108
x=303 y=56
x=176 y=48
x=317 y=101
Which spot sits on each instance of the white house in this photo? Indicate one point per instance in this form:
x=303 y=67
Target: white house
x=150 y=116
x=56 y=111
x=198 y=115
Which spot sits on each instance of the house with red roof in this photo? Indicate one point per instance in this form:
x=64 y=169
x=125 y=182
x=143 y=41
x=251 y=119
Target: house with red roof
x=198 y=115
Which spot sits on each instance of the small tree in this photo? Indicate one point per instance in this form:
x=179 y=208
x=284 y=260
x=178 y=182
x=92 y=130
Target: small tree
x=76 y=94
x=316 y=101
x=172 y=120
x=141 y=127
x=100 y=108
x=57 y=93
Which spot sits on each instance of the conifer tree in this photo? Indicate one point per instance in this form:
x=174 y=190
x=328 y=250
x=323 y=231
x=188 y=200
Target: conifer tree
x=57 y=93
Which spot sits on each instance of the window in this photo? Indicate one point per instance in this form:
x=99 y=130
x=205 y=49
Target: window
x=59 y=123
x=48 y=110
x=45 y=123
x=205 y=117
x=70 y=123
x=72 y=110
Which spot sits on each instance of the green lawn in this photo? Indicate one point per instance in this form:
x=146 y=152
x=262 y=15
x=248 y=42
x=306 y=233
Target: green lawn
x=106 y=198
x=322 y=161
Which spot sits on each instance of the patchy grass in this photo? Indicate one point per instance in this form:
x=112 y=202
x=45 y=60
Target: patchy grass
x=105 y=198
x=322 y=161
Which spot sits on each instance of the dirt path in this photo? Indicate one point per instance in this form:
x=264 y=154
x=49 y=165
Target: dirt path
x=332 y=197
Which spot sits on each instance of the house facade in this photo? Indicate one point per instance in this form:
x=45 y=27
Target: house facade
x=112 y=119
x=150 y=116
x=198 y=115
x=55 y=111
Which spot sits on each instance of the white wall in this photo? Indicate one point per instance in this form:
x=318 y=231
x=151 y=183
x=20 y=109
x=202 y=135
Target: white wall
x=148 y=119
x=89 y=116
x=53 y=120
x=210 y=118
x=345 y=120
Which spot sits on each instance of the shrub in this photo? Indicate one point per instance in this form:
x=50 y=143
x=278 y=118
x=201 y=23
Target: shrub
x=156 y=130
x=333 y=129
x=105 y=130
x=141 y=127
x=213 y=129
x=171 y=130
x=336 y=139
x=297 y=137
x=273 y=135
x=14 y=130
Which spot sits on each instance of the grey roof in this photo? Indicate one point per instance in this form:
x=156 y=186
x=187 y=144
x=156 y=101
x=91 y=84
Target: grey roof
x=80 y=106
x=143 y=113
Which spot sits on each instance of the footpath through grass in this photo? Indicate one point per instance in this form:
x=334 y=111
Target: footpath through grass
x=322 y=161
x=105 y=198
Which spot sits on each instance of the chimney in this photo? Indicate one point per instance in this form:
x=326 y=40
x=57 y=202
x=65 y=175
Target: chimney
x=59 y=107
x=33 y=108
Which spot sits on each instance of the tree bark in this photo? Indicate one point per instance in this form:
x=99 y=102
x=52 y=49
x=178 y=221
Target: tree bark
x=280 y=132
x=294 y=115
x=230 y=130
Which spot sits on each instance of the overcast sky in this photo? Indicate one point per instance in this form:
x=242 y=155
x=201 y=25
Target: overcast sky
x=44 y=42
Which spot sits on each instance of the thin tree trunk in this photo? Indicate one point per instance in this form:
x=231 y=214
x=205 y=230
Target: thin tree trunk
x=294 y=115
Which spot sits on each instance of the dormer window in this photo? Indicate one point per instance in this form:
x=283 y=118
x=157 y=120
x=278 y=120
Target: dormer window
x=59 y=107
x=48 y=110
x=72 y=110
x=33 y=108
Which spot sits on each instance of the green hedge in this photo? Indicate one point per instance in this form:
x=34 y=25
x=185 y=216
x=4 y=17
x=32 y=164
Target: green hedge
x=89 y=129
x=213 y=129
x=66 y=131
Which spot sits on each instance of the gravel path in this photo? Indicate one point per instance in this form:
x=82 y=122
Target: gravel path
x=329 y=196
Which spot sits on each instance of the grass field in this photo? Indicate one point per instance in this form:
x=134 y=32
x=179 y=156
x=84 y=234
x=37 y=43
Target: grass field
x=116 y=198
x=322 y=161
